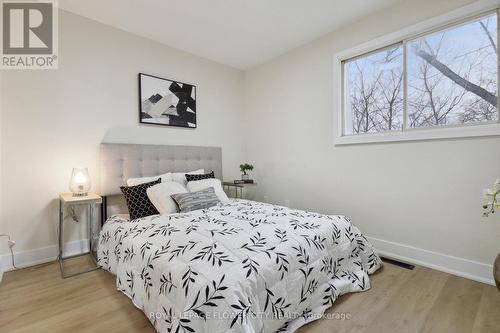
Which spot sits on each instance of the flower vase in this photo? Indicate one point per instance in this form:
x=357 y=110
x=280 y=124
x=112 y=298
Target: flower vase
x=496 y=271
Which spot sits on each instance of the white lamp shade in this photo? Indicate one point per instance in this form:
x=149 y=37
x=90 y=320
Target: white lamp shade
x=79 y=183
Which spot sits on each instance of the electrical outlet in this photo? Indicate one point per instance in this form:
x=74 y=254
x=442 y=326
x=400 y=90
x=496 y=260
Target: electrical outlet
x=10 y=242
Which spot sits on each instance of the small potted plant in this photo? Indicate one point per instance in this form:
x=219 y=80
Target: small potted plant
x=244 y=168
x=492 y=195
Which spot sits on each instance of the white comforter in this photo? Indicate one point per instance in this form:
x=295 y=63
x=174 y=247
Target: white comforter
x=240 y=267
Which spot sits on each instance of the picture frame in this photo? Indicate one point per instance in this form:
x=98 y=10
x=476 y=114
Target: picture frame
x=166 y=102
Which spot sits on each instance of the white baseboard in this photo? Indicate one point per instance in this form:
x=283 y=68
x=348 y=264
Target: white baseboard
x=42 y=255
x=469 y=269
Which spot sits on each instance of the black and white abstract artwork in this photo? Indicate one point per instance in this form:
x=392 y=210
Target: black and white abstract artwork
x=166 y=102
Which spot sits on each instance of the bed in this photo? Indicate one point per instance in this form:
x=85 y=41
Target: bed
x=243 y=266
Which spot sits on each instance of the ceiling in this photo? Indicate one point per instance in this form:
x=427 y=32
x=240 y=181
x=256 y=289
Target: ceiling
x=237 y=33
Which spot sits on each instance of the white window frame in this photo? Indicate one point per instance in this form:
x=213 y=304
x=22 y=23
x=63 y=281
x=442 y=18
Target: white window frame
x=438 y=23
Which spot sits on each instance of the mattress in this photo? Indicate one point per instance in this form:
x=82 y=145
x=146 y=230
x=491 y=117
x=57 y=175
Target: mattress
x=239 y=267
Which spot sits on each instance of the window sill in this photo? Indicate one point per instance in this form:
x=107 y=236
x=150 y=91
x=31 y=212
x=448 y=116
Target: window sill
x=421 y=134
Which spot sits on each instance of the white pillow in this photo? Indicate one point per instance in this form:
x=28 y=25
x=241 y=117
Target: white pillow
x=180 y=177
x=166 y=177
x=198 y=185
x=159 y=195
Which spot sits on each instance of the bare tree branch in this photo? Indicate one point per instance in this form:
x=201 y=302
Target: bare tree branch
x=488 y=34
x=449 y=73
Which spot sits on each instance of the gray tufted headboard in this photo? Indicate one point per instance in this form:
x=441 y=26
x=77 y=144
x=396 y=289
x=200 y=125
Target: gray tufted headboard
x=122 y=161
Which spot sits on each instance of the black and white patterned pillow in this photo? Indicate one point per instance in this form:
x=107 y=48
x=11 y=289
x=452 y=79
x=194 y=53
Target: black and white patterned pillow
x=137 y=199
x=196 y=200
x=192 y=178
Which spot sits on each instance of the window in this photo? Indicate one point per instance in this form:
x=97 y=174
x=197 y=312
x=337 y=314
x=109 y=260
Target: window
x=443 y=81
x=374 y=101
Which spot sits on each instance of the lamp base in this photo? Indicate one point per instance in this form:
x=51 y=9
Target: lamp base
x=80 y=194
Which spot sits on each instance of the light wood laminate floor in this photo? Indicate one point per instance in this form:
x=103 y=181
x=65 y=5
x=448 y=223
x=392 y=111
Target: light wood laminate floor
x=37 y=299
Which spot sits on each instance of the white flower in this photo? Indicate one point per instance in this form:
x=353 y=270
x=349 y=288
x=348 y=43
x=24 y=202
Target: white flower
x=488 y=193
x=496 y=186
x=492 y=197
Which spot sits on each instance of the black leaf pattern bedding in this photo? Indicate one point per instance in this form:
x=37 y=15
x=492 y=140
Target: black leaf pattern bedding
x=239 y=267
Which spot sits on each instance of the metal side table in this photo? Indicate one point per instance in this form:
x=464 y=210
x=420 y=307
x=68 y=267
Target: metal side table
x=67 y=202
x=238 y=188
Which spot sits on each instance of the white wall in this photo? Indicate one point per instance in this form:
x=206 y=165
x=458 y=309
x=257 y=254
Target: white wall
x=53 y=120
x=421 y=194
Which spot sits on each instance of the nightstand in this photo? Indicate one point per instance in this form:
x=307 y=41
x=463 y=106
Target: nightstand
x=237 y=188
x=67 y=203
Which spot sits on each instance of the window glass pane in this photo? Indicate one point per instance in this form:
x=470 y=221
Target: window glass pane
x=452 y=75
x=374 y=92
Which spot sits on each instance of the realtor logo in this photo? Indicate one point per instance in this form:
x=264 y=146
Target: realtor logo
x=29 y=35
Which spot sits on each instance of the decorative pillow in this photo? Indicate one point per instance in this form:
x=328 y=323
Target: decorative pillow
x=207 y=183
x=138 y=203
x=166 y=177
x=180 y=177
x=191 y=178
x=159 y=195
x=196 y=200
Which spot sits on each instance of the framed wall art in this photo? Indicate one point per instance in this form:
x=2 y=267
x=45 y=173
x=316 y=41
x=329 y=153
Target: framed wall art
x=166 y=102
